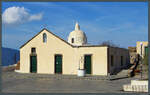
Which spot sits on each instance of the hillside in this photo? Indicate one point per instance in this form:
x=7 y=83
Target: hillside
x=10 y=56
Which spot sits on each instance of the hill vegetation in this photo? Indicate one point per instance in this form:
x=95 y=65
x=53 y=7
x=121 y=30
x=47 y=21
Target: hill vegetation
x=10 y=56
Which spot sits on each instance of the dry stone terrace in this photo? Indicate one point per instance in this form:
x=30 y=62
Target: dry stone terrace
x=13 y=82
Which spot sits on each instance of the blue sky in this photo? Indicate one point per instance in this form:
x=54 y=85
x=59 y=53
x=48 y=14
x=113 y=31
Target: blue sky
x=123 y=23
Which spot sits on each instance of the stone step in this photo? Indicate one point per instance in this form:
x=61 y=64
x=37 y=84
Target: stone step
x=135 y=88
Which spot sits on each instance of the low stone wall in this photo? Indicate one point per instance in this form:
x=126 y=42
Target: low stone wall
x=139 y=82
x=136 y=86
x=8 y=68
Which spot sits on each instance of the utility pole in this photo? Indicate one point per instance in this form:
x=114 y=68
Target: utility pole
x=141 y=59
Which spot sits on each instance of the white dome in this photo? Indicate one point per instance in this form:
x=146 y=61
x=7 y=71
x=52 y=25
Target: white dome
x=77 y=37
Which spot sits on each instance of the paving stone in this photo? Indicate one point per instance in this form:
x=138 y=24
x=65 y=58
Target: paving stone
x=38 y=83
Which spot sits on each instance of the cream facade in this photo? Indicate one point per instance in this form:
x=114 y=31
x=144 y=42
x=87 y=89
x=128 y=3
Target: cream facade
x=47 y=49
x=141 y=47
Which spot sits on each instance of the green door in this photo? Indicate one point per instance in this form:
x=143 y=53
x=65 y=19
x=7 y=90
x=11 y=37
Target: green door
x=58 y=63
x=33 y=64
x=146 y=51
x=87 y=64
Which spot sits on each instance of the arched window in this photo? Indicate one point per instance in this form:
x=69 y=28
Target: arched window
x=33 y=50
x=44 y=38
x=72 y=40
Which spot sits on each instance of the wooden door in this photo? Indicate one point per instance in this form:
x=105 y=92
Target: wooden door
x=87 y=64
x=58 y=64
x=33 y=64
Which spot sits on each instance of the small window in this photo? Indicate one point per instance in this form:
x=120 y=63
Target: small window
x=72 y=40
x=121 y=60
x=44 y=38
x=112 y=60
x=33 y=50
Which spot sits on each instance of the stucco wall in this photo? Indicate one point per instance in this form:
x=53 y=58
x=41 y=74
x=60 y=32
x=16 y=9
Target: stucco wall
x=117 y=53
x=98 y=58
x=71 y=56
x=45 y=53
x=138 y=47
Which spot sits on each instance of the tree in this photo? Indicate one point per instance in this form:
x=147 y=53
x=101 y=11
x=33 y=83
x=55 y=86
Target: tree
x=108 y=43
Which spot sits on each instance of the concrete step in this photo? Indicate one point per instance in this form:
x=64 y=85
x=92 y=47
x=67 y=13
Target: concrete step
x=136 y=86
x=123 y=72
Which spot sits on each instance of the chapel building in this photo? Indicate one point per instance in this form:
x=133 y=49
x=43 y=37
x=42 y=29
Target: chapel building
x=49 y=54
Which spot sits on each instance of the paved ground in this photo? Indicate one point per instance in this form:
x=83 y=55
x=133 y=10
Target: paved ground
x=13 y=82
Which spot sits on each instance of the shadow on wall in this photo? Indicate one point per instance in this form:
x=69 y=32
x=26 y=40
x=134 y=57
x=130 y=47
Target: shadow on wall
x=118 y=70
